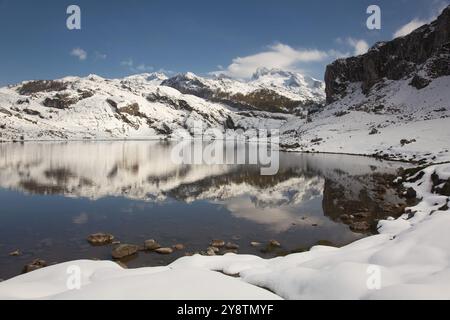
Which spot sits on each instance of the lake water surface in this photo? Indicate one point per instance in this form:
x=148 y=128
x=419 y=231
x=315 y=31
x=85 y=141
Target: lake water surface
x=53 y=195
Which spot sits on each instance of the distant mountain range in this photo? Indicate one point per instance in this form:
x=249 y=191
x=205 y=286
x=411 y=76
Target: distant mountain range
x=150 y=105
x=270 y=90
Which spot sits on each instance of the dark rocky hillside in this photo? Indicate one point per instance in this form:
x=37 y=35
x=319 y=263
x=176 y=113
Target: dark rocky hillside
x=422 y=55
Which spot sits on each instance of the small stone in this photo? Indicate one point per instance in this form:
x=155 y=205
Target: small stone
x=217 y=243
x=410 y=193
x=164 y=250
x=255 y=244
x=362 y=215
x=35 y=265
x=210 y=252
x=230 y=251
x=117 y=242
x=215 y=249
x=151 y=245
x=360 y=226
x=373 y=131
x=123 y=265
x=100 y=239
x=124 y=250
x=15 y=253
x=178 y=246
x=231 y=246
x=315 y=225
x=274 y=243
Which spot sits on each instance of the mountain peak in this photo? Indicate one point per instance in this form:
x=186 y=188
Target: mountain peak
x=263 y=71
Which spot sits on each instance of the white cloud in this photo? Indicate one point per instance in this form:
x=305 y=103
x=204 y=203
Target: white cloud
x=409 y=27
x=100 y=56
x=359 y=46
x=417 y=22
x=143 y=68
x=79 y=53
x=127 y=63
x=140 y=68
x=166 y=72
x=279 y=56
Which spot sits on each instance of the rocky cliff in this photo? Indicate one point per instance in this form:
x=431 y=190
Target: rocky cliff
x=422 y=55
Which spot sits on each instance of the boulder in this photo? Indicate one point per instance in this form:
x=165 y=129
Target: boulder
x=100 y=239
x=217 y=243
x=178 y=246
x=231 y=246
x=124 y=250
x=164 y=250
x=274 y=243
x=35 y=265
x=151 y=245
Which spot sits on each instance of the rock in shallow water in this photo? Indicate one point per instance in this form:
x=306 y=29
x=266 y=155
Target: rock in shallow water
x=164 y=250
x=35 y=265
x=362 y=215
x=231 y=246
x=151 y=245
x=274 y=243
x=124 y=250
x=100 y=239
x=217 y=243
x=360 y=226
x=178 y=246
x=14 y=253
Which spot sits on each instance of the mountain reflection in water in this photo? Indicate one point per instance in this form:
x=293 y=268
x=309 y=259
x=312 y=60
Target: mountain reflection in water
x=59 y=193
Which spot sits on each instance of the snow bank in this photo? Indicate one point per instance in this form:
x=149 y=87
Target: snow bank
x=409 y=259
x=107 y=280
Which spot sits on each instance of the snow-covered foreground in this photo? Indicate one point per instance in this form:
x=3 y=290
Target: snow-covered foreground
x=409 y=259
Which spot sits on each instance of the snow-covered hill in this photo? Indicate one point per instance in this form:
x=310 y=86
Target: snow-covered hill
x=141 y=106
x=98 y=108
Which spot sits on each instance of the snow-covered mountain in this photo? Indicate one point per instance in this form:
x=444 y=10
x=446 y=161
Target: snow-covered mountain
x=96 y=108
x=149 y=105
x=268 y=90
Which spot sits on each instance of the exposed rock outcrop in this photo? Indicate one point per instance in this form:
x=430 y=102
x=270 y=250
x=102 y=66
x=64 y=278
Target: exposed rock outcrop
x=423 y=54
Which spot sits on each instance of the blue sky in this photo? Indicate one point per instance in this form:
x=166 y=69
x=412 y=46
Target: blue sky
x=124 y=37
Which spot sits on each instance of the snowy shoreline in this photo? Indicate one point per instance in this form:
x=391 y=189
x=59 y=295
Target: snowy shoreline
x=383 y=157
x=410 y=256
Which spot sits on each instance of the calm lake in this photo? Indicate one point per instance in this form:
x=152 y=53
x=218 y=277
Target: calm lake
x=54 y=195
